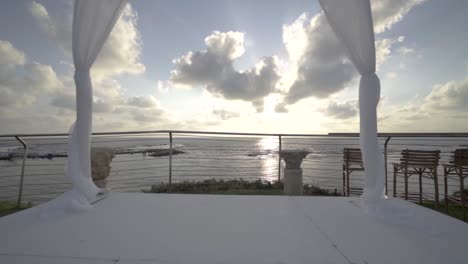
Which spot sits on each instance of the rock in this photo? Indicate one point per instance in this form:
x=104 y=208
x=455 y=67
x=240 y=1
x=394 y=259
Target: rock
x=101 y=159
x=163 y=152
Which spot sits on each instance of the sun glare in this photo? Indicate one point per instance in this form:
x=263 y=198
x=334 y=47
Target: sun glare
x=269 y=105
x=268 y=146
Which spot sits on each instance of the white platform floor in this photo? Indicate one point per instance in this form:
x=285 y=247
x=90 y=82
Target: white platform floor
x=172 y=228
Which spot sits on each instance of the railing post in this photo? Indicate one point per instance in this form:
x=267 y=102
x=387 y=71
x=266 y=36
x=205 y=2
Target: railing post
x=385 y=160
x=170 y=161
x=279 y=158
x=25 y=156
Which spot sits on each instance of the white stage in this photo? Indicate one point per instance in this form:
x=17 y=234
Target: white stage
x=172 y=228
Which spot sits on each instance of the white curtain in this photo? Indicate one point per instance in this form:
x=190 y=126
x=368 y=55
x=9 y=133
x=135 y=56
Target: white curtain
x=92 y=23
x=351 y=20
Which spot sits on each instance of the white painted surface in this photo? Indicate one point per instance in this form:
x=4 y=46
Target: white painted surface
x=170 y=228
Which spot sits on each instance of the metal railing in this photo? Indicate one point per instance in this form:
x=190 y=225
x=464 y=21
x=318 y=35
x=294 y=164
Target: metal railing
x=205 y=155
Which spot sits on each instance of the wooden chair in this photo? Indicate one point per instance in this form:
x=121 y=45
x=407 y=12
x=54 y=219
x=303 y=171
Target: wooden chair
x=418 y=162
x=352 y=161
x=458 y=169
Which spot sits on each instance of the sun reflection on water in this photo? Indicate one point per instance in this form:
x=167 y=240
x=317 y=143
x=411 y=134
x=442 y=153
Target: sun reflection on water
x=267 y=148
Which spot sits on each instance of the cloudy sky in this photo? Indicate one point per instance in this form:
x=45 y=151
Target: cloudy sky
x=230 y=65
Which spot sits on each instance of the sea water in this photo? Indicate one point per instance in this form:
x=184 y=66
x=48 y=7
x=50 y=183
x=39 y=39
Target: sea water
x=203 y=157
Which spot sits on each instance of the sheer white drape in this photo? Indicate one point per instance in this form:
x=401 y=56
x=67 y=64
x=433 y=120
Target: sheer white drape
x=92 y=23
x=351 y=20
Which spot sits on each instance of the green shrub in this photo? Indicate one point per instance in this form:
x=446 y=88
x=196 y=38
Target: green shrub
x=8 y=207
x=231 y=186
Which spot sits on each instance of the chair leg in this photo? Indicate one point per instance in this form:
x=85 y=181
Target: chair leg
x=420 y=188
x=347 y=182
x=436 y=188
x=406 y=183
x=446 y=189
x=394 y=181
x=344 y=181
x=462 y=194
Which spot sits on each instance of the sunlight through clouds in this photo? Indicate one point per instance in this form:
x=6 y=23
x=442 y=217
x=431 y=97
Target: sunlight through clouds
x=239 y=70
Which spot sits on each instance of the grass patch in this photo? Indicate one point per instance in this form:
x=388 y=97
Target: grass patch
x=232 y=186
x=7 y=207
x=454 y=210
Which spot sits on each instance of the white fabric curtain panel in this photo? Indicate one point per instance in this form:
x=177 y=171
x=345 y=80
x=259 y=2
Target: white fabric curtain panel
x=92 y=23
x=351 y=20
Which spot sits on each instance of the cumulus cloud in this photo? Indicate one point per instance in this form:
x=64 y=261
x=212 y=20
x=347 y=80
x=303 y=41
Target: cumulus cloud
x=33 y=121
x=443 y=109
x=102 y=106
x=224 y=114
x=120 y=53
x=124 y=107
x=22 y=82
x=162 y=87
x=383 y=50
x=229 y=44
x=319 y=59
x=22 y=85
x=143 y=101
x=41 y=77
x=322 y=64
x=322 y=68
x=10 y=59
x=343 y=110
x=64 y=100
x=405 y=50
x=9 y=55
x=452 y=96
x=8 y=98
x=213 y=69
x=281 y=108
x=58 y=30
x=121 y=112
x=146 y=116
x=33 y=94
x=386 y=13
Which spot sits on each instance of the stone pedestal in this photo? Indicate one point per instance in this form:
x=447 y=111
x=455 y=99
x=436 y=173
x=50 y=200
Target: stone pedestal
x=293 y=172
x=101 y=159
x=293 y=182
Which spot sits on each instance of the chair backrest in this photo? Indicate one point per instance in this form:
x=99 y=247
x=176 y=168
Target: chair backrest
x=352 y=156
x=460 y=157
x=420 y=158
